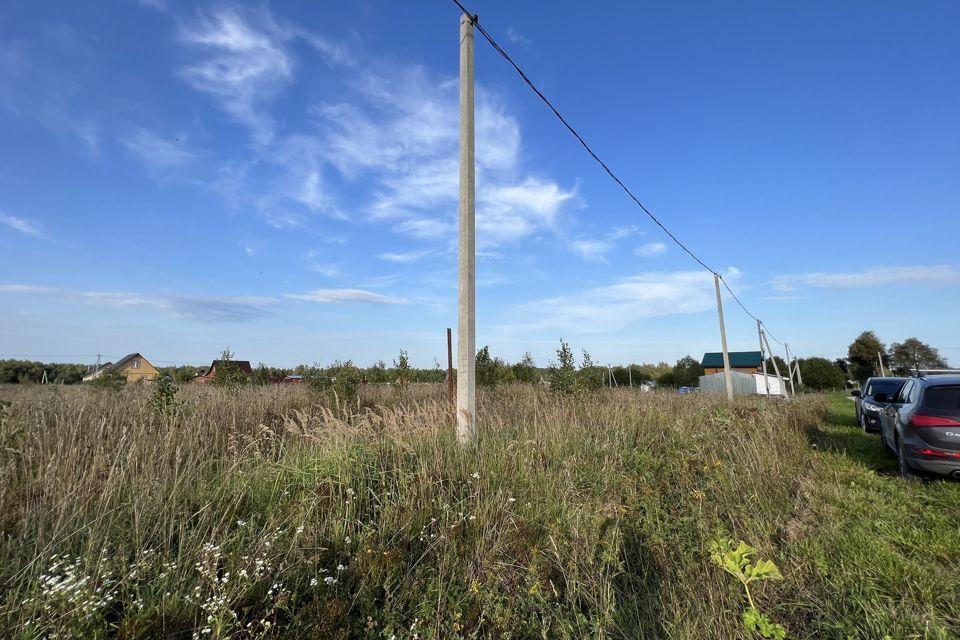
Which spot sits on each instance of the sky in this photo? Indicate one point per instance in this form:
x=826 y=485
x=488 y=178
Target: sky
x=281 y=178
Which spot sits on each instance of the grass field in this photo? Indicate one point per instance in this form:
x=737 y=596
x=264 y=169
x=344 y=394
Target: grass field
x=266 y=513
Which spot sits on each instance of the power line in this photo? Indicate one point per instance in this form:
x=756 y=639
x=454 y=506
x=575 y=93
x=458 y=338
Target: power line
x=493 y=43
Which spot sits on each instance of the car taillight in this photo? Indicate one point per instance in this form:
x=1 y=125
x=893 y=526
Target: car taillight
x=920 y=420
x=938 y=454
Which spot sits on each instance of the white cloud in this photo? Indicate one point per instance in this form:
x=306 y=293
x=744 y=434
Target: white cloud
x=342 y=296
x=186 y=307
x=591 y=250
x=402 y=133
x=615 y=306
x=403 y=258
x=651 y=250
x=244 y=64
x=326 y=270
x=159 y=155
x=156 y=5
x=516 y=37
x=20 y=224
x=596 y=249
x=939 y=275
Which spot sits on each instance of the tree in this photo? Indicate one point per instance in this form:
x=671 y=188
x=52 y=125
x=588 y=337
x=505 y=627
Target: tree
x=784 y=372
x=378 y=372
x=227 y=372
x=843 y=365
x=486 y=368
x=526 y=369
x=401 y=371
x=590 y=375
x=564 y=379
x=820 y=374
x=862 y=354
x=913 y=353
x=687 y=372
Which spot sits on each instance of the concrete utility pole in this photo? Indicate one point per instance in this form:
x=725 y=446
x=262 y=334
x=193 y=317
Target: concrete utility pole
x=786 y=348
x=467 y=300
x=797 y=366
x=776 y=369
x=450 y=368
x=728 y=379
x=880 y=360
x=763 y=357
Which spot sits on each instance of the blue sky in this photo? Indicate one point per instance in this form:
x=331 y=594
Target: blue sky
x=176 y=177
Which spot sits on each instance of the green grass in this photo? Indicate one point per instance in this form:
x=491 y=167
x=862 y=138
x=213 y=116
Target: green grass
x=874 y=555
x=266 y=513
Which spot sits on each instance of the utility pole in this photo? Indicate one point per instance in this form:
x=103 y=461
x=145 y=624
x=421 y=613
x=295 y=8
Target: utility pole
x=797 y=366
x=880 y=360
x=763 y=358
x=96 y=368
x=630 y=374
x=776 y=369
x=786 y=348
x=467 y=257
x=723 y=340
x=450 y=367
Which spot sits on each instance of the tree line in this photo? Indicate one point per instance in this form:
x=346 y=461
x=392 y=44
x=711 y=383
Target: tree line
x=867 y=351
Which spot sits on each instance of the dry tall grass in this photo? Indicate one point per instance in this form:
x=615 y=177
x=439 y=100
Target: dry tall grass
x=264 y=513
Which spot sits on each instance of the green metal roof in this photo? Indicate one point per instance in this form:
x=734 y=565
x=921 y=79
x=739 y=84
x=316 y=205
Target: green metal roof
x=737 y=359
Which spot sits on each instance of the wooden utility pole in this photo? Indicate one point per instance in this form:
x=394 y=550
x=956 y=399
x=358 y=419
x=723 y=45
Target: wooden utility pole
x=763 y=357
x=467 y=299
x=786 y=348
x=728 y=380
x=450 y=367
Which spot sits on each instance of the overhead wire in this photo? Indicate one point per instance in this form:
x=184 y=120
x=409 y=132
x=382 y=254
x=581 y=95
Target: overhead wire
x=475 y=20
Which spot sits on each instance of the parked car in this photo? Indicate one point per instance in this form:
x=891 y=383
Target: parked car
x=921 y=426
x=868 y=407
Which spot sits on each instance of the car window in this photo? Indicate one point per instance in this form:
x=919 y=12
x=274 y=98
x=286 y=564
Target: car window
x=903 y=396
x=888 y=387
x=944 y=398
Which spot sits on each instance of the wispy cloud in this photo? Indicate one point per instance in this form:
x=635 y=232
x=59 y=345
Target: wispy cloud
x=403 y=258
x=243 y=64
x=344 y=296
x=156 y=5
x=627 y=300
x=186 y=307
x=518 y=38
x=596 y=249
x=401 y=132
x=937 y=275
x=651 y=250
x=326 y=270
x=159 y=154
x=21 y=224
x=48 y=96
x=591 y=250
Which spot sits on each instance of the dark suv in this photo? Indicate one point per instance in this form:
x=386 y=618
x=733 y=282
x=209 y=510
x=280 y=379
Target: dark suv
x=921 y=426
x=868 y=407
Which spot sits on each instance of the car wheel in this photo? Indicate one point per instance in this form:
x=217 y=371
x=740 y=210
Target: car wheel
x=905 y=471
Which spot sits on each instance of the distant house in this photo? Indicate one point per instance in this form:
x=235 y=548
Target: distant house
x=134 y=367
x=746 y=361
x=241 y=365
x=293 y=378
